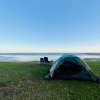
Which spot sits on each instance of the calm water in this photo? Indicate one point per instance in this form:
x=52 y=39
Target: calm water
x=21 y=57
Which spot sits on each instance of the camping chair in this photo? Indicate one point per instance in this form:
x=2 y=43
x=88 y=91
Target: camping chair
x=41 y=60
x=46 y=59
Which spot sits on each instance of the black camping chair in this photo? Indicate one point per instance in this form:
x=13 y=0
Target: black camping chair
x=41 y=60
x=46 y=59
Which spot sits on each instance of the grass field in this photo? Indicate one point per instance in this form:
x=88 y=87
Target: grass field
x=24 y=81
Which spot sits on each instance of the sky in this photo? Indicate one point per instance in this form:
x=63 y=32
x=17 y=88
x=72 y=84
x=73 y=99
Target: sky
x=29 y=26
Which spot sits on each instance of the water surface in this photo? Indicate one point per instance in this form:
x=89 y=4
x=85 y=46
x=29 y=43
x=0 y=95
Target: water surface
x=21 y=57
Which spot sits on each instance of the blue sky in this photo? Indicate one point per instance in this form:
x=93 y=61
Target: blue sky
x=49 y=25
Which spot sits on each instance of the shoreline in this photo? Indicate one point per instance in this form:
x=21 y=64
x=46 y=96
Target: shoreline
x=91 y=59
x=33 y=57
x=86 y=59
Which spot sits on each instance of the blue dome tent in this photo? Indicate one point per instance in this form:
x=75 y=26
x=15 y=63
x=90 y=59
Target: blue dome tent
x=71 y=67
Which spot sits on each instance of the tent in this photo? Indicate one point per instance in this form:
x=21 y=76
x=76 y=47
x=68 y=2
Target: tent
x=71 y=67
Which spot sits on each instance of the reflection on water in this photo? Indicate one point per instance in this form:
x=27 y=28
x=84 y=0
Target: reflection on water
x=36 y=56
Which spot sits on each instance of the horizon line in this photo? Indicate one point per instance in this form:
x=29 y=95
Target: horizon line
x=46 y=52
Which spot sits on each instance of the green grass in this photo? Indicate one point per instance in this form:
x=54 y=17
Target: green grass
x=25 y=81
